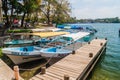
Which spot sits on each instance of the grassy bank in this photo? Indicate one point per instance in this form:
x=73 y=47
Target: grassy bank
x=1 y=52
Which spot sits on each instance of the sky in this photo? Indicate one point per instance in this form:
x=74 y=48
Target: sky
x=92 y=9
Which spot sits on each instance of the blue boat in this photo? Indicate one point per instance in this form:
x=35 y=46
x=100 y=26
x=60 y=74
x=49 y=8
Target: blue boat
x=57 y=48
x=31 y=38
x=22 y=54
x=29 y=53
x=86 y=28
x=54 y=52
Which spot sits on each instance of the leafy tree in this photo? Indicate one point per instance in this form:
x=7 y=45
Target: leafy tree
x=26 y=8
x=62 y=10
x=56 y=10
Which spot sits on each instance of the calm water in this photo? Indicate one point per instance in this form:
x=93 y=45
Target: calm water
x=108 y=68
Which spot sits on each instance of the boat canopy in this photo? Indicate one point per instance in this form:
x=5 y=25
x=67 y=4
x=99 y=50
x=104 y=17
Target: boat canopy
x=44 y=34
x=76 y=36
x=55 y=29
x=49 y=34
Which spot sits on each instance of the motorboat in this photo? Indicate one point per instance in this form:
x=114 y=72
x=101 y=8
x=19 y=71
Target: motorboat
x=80 y=27
x=22 y=54
x=29 y=53
x=57 y=49
x=31 y=38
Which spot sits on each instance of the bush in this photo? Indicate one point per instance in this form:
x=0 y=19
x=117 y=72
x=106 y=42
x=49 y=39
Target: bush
x=1 y=52
x=19 y=31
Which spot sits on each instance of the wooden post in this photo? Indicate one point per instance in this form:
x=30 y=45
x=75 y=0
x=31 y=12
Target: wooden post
x=105 y=38
x=90 y=55
x=66 y=77
x=43 y=70
x=16 y=73
x=88 y=42
x=73 y=52
x=101 y=44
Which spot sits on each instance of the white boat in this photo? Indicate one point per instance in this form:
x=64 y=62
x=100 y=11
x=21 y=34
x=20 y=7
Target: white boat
x=54 y=52
x=28 y=53
x=30 y=38
x=22 y=54
x=57 y=48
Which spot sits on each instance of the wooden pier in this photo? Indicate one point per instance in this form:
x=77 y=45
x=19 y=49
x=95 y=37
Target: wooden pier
x=6 y=73
x=75 y=66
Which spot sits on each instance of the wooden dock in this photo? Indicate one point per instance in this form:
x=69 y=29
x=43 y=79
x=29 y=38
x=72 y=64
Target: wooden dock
x=75 y=66
x=6 y=73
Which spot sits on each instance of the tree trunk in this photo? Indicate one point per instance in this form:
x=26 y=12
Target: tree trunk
x=48 y=20
x=23 y=17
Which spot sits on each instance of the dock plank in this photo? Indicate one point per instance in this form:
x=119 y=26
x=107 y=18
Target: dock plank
x=6 y=73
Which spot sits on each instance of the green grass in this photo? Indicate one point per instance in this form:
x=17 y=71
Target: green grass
x=19 y=31
x=1 y=52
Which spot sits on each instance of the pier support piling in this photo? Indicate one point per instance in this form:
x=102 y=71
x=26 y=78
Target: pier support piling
x=105 y=38
x=66 y=77
x=73 y=52
x=101 y=44
x=88 y=42
x=90 y=55
x=43 y=70
x=16 y=73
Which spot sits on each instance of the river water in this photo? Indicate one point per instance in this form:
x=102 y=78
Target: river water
x=108 y=67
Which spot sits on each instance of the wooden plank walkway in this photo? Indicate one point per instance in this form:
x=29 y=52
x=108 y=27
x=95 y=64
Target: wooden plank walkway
x=6 y=73
x=73 y=65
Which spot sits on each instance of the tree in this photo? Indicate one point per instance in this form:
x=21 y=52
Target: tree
x=28 y=7
x=56 y=10
x=61 y=12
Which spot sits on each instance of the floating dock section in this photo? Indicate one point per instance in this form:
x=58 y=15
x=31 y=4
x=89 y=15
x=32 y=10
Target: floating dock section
x=75 y=66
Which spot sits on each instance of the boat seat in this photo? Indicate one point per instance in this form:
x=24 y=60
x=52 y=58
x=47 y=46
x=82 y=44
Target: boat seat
x=25 y=49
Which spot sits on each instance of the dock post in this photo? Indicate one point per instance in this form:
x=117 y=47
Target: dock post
x=105 y=38
x=90 y=55
x=43 y=70
x=73 y=52
x=66 y=77
x=16 y=73
x=101 y=44
x=88 y=42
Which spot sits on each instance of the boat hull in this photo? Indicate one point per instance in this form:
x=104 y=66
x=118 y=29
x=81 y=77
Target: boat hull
x=22 y=59
x=53 y=60
x=22 y=54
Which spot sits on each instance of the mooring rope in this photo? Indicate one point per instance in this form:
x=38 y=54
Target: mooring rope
x=40 y=66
